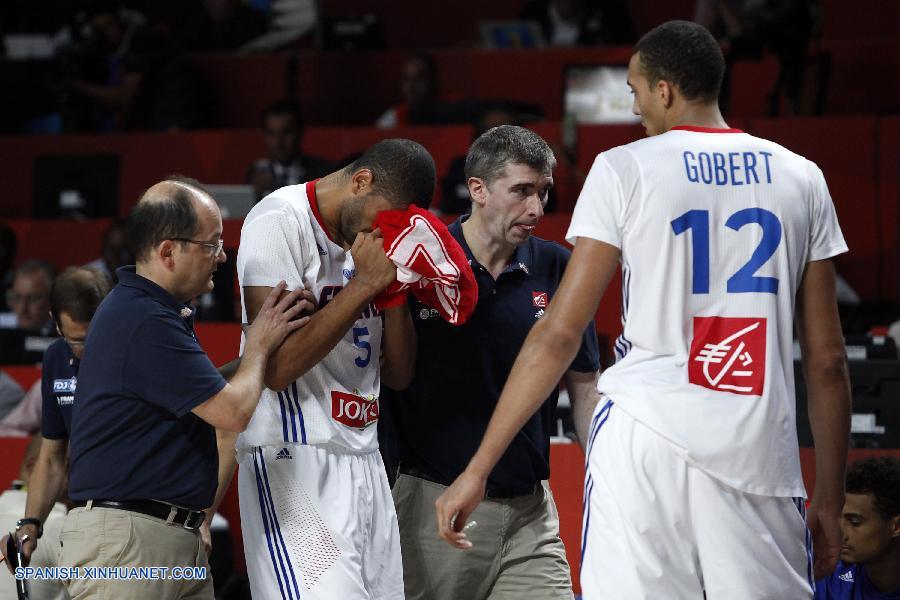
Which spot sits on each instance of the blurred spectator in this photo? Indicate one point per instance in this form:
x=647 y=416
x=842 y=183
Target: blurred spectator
x=114 y=251
x=224 y=25
x=11 y=394
x=418 y=88
x=749 y=27
x=8 y=248
x=869 y=566
x=285 y=164
x=582 y=22
x=125 y=74
x=29 y=298
x=25 y=418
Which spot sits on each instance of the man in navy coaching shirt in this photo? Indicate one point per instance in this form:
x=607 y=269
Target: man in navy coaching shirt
x=460 y=371
x=143 y=447
x=869 y=568
x=74 y=298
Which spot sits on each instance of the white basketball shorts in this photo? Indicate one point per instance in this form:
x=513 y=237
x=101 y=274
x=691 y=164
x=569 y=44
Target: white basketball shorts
x=656 y=526
x=318 y=524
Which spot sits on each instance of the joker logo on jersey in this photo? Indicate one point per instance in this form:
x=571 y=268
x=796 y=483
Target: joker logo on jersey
x=353 y=410
x=728 y=355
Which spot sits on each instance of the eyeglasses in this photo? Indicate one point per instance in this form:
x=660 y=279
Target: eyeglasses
x=215 y=246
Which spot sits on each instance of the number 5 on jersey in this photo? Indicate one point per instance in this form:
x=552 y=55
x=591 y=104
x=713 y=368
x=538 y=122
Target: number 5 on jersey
x=360 y=340
x=744 y=280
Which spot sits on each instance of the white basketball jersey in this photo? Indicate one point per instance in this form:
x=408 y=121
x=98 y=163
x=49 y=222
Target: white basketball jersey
x=335 y=402
x=715 y=229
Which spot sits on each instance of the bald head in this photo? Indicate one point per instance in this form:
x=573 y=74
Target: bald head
x=167 y=210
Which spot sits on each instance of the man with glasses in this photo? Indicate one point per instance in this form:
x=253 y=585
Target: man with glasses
x=143 y=443
x=74 y=299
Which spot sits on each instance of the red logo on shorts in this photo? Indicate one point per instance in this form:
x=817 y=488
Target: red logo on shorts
x=539 y=299
x=352 y=410
x=728 y=355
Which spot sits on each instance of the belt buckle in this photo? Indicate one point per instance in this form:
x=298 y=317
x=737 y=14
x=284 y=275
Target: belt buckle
x=194 y=520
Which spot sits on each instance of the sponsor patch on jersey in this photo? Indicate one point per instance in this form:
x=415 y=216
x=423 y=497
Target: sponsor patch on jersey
x=352 y=410
x=65 y=400
x=539 y=299
x=729 y=355
x=64 y=385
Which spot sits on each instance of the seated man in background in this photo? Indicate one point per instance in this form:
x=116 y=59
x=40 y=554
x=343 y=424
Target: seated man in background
x=76 y=294
x=29 y=297
x=869 y=568
x=285 y=164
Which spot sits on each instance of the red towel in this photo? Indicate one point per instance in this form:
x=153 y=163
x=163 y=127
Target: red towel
x=430 y=263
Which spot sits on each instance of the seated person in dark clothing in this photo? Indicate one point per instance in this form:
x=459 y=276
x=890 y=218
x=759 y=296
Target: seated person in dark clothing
x=869 y=568
x=127 y=74
x=224 y=25
x=582 y=22
x=285 y=165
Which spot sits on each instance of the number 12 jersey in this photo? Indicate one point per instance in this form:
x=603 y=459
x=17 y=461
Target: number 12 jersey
x=715 y=229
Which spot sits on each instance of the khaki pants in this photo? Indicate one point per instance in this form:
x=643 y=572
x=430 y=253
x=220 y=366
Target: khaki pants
x=517 y=552
x=108 y=537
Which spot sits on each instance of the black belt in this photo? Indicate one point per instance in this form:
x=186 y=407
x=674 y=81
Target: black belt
x=189 y=519
x=496 y=492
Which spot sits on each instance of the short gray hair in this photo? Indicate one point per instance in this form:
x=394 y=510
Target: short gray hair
x=507 y=144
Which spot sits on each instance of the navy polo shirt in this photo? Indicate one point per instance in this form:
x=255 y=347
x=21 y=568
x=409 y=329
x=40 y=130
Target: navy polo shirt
x=59 y=373
x=134 y=436
x=461 y=370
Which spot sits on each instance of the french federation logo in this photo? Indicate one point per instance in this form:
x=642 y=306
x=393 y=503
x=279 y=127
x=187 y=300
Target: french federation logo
x=728 y=355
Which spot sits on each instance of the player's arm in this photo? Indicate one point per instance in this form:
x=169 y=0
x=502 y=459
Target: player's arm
x=44 y=489
x=305 y=348
x=829 y=405
x=398 y=348
x=232 y=407
x=549 y=349
x=583 y=395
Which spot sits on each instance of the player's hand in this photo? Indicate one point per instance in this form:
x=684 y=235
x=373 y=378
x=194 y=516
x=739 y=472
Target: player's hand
x=454 y=507
x=825 y=529
x=278 y=318
x=373 y=267
x=206 y=536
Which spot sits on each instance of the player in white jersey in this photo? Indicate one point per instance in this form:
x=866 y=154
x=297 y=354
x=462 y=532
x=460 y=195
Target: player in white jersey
x=316 y=509
x=693 y=480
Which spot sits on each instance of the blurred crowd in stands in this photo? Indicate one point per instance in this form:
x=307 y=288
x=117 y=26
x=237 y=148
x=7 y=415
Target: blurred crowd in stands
x=103 y=65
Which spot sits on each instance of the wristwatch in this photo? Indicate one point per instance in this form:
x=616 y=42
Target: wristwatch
x=31 y=521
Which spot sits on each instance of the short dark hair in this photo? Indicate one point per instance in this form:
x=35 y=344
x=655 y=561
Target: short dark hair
x=507 y=144
x=284 y=107
x=78 y=292
x=151 y=222
x=880 y=477
x=35 y=265
x=686 y=55
x=403 y=171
